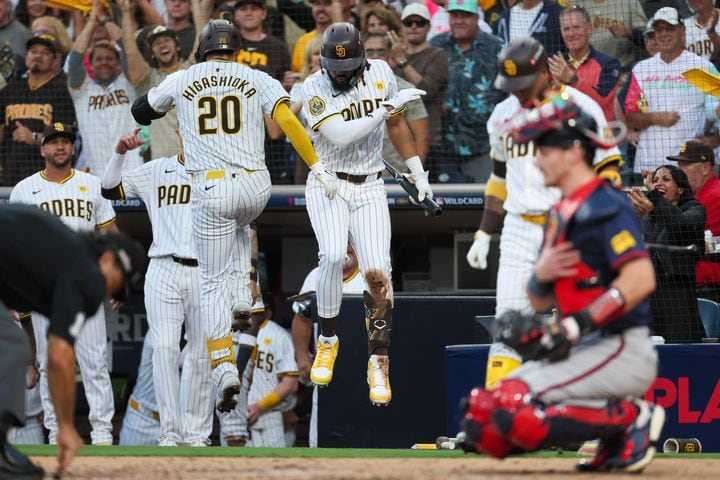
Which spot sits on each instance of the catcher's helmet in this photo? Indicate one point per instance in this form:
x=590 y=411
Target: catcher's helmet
x=519 y=64
x=217 y=36
x=342 y=51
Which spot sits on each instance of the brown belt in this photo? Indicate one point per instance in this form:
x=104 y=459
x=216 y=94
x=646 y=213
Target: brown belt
x=188 y=262
x=357 y=178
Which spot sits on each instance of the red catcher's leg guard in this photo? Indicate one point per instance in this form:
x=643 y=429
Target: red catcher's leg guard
x=510 y=394
x=520 y=422
x=481 y=433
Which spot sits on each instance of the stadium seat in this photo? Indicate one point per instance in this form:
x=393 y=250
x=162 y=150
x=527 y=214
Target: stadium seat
x=710 y=316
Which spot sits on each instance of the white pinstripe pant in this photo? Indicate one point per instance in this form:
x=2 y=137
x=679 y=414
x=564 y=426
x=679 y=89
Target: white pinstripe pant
x=219 y=207
x=360 y=211
x=172 y=297
x=91 y=353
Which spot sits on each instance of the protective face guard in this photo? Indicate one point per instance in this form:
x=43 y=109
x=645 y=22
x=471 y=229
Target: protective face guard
x=346 y=65
x=559 y=111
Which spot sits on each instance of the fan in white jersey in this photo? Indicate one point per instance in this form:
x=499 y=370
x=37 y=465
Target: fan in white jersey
x=220 y=106
x=515 y=194
x=74 y=197
x=702 y=32
x=302 y=326
x=172 y=292
x=348 y=102
x=102 y=104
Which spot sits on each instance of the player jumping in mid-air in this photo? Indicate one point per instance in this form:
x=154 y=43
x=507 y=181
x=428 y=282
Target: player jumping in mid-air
x=516 y=187
x=220 y=106
x=347 y=102
x=595 y=268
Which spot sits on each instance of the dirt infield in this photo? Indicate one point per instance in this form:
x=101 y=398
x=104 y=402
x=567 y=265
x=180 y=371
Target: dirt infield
x=481 y=468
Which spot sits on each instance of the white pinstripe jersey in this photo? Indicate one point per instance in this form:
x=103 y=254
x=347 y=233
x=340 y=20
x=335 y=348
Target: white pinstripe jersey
x=274 y=357
x=76 y=200
x=164 y=186
x=103 y=115
x=526 y=190
x=321 y=102
x=219 y=106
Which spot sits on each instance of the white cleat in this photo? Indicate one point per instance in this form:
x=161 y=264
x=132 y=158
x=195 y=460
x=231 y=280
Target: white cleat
x=378 y=378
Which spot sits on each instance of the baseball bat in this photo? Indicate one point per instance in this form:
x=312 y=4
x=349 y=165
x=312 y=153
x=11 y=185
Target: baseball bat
x=428 y=204
x=672 y=248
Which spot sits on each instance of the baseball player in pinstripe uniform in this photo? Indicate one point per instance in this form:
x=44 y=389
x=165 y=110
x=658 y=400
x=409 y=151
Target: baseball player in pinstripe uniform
x=172 y=292
x=274 y=383
x=141 y=424
x=220 y=106
x=517 y=187
x=74 y=197
x=31 y=433
x=302 y=326
x=234 y=424
x=347 y=102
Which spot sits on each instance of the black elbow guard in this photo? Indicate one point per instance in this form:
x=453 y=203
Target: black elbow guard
x=114 y=193
x=143 y=113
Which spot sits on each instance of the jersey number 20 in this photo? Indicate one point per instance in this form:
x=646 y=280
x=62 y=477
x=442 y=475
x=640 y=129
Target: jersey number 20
x=229 y=114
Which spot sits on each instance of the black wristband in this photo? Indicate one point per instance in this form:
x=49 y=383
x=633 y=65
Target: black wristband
x=538 y=288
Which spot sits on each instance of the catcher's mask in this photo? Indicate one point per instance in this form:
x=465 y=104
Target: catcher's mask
x=342 y=52
x=558 y=121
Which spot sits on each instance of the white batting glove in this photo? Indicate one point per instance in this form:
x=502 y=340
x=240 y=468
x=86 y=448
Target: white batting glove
x=419 y=177
x=328 y=179
x=477 y=255
x=403 y=96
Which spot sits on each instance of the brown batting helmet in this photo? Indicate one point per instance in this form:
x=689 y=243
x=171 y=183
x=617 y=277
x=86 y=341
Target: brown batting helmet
x=519 y=64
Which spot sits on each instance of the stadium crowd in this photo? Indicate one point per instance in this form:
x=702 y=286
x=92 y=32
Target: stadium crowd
x=84 y=63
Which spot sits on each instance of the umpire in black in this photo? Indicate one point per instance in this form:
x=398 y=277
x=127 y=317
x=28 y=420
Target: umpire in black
x=48 y=268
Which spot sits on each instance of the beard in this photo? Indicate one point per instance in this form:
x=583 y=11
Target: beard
x=60 y=163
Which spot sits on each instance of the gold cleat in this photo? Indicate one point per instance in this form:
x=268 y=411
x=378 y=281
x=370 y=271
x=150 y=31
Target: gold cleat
x=321 y=372
x=378 y=379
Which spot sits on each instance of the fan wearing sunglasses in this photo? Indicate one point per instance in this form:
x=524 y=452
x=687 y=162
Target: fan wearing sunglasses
x=424 y=66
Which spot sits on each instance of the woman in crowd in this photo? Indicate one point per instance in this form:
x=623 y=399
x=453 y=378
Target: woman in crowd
x=380 y=20
x=672 y=217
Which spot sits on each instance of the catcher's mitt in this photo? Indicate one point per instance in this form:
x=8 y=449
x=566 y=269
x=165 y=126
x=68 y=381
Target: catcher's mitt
x=535 y=337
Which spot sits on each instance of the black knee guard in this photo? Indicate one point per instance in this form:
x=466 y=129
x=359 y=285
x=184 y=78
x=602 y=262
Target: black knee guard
x=378 y=321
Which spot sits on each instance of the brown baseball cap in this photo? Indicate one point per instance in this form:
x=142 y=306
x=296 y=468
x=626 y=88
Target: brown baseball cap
x=57 y=130
x=520 y=62
x=43 y=37
x=694 y=151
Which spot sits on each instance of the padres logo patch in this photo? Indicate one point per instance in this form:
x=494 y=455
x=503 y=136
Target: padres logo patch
x=267 y=341
x=622 y=242
x=510 y=67
x=340 y=51
x=82 y=188
x=380 y=85
x=316 y=105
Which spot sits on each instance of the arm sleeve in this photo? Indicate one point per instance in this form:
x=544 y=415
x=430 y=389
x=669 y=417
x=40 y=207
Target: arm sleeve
x=104 y=212
x=112 y=176
x=76 y=69
x=295 y=133
x=342 y=133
